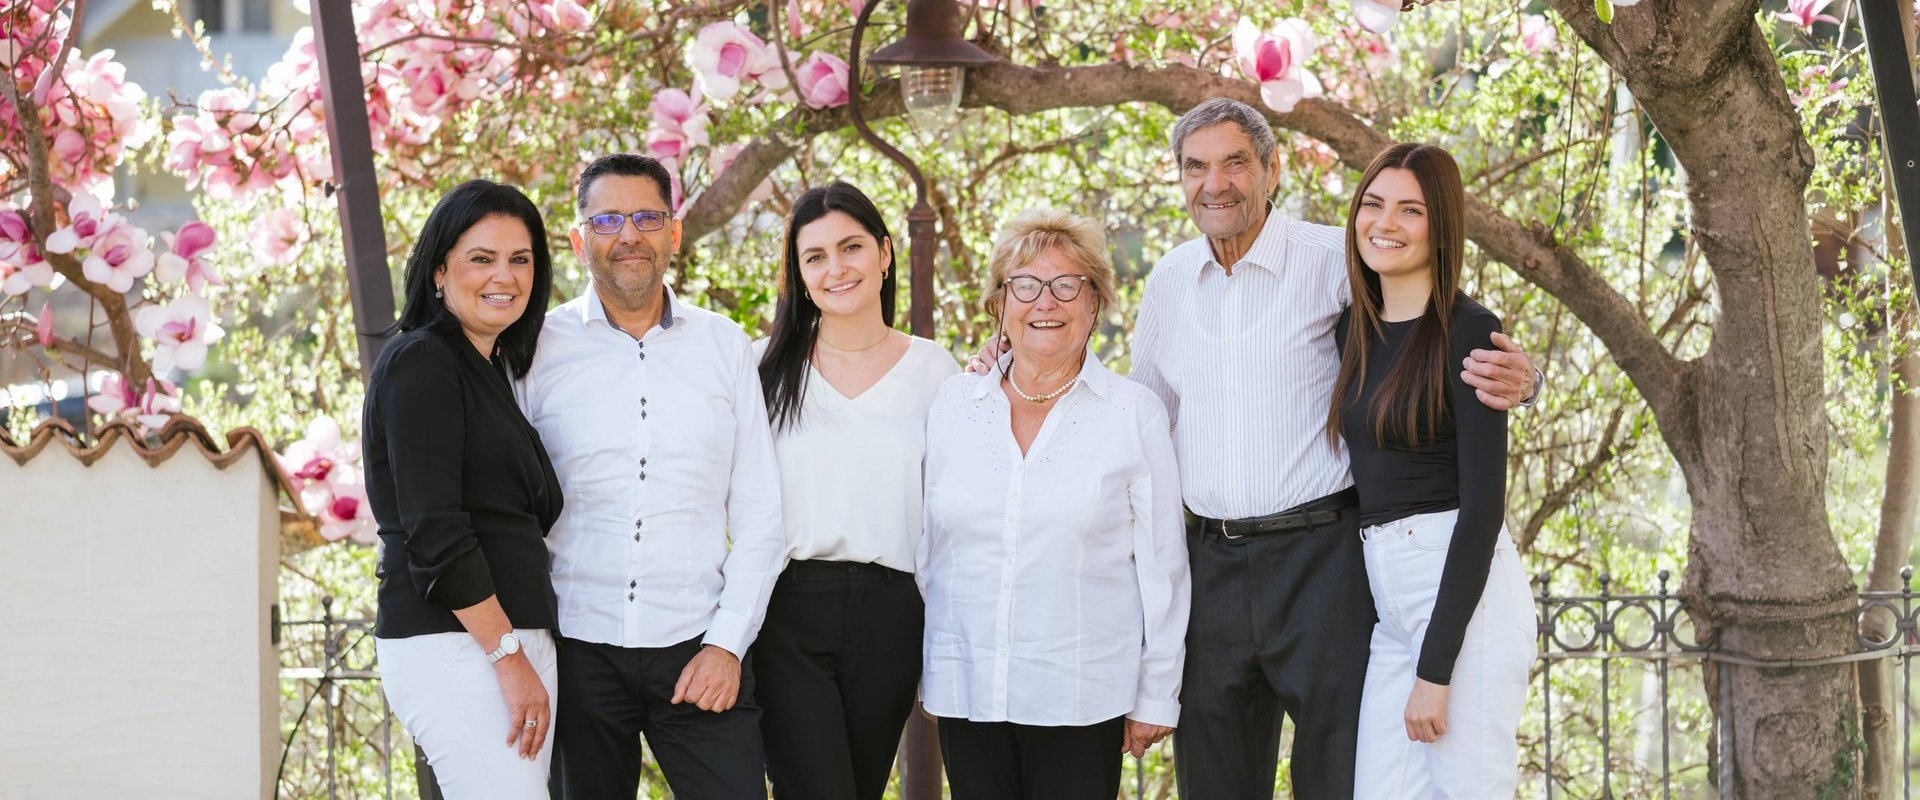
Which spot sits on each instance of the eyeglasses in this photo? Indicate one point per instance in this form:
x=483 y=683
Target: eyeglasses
x=643 y=221
x=1065 y=288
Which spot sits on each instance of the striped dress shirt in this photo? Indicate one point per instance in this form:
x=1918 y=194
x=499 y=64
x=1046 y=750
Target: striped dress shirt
x=1245 y=364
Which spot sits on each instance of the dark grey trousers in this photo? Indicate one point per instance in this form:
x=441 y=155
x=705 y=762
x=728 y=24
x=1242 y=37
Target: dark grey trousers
x=1280 y=626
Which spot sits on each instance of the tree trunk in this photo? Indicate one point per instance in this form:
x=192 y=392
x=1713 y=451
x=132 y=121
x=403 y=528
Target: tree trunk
x=1746 y=423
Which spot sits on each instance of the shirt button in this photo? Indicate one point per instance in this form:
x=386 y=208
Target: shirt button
x=636 y=524
x=643 y=415
x=633 y=584
x=643 y=401
x=643 y=462
x=643 y=476
x=629 y=596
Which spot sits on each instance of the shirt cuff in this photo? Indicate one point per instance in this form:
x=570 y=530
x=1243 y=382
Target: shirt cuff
x=464 y=583
x=1155 y=712
x=728 y=632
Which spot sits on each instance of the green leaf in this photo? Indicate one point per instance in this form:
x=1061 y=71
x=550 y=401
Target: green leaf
x=1604 y=8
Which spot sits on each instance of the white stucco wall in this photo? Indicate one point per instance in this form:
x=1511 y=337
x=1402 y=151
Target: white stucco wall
x=135 y=658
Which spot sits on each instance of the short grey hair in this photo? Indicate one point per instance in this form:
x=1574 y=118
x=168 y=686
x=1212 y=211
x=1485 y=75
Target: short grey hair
x=1223 y=109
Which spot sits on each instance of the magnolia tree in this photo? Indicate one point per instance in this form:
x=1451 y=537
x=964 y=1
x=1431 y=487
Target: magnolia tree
x=1641 y=179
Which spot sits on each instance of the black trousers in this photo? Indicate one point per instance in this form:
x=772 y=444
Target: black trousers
x=837 y=664
x=611 y=695
x=1280 y=626
x=1010 y=761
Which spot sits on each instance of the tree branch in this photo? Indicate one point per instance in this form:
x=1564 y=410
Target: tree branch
x=1022 y=90
x=41 y=220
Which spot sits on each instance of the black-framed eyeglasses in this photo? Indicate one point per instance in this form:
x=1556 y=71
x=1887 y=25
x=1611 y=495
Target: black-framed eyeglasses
x=1026 y=288
x=643 y=221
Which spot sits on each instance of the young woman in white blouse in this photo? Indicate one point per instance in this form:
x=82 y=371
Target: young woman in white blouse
x=1054 y=561
x=839 y=656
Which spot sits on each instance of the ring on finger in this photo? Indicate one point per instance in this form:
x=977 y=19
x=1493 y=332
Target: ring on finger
x=531 y=723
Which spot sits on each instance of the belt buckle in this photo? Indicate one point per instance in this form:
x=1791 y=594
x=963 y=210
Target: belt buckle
x=1229 y=536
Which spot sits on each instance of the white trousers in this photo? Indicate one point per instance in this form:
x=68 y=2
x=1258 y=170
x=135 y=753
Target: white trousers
x=1478 y=757
x=446 y=693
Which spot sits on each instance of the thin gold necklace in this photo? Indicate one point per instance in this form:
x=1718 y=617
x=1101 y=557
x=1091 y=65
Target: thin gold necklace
x=876 y=343
x=1064 y=388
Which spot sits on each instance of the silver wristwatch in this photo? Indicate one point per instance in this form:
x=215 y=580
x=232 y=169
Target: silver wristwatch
x=509 y=644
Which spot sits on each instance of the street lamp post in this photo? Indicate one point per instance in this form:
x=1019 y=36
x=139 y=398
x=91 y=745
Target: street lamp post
x=933 y=59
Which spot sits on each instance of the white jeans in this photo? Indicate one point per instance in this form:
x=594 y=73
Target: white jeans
x=444 y=690
x=1478 y=757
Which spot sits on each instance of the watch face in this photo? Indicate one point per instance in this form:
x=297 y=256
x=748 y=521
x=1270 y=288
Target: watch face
x=509 y=644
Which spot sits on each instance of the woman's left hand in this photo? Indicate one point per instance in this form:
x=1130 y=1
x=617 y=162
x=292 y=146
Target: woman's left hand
x=1426 y=712
x=1140 y=736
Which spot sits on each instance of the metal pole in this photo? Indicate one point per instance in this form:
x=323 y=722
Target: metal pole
x=920 y=221
x=353 y=186
x=1899 y=118
x=921 y=743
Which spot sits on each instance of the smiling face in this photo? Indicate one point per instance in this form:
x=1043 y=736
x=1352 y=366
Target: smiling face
x=1225 y=182
x=486 y=277
x=1047 y=329
x=1391 y=226
x=627 y=266
x=842 y=265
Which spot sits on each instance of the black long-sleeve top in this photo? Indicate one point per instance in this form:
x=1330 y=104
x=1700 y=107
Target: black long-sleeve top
x=460 y=485
x=1460 y=465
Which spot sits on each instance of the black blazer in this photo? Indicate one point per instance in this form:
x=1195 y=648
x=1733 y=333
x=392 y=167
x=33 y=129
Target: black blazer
x=460 y=484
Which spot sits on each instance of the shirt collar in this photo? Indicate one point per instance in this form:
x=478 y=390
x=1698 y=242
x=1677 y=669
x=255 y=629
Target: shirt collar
x=593 y=309
x=1269 y=248
x=1093 y=373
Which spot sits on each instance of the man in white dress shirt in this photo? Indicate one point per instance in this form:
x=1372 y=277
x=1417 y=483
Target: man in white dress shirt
x=1235 y=334
x=671 y=541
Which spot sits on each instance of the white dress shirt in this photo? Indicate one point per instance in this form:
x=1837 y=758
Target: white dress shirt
x=1245 y=364
x=850 y=466
x=664 y=456
x=1056 y=582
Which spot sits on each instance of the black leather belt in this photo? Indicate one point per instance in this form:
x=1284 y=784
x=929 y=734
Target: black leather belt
x=1306 y=516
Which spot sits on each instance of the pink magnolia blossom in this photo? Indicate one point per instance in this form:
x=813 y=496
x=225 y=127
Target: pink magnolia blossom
x=321 y=456
x=183 y=261
x=1803 y=13
x=278 y=235
x=725 y=55
x=680 y=124
x=1376 y=15
x=23 y=269
x=118 y=256
x=1537 y=35
x=1274 y=60
x=347 y=515
x=113 y=396
x=161 y=401
x=86 y=219
x=43 y=327
x=21 y=266
x=181 y=331
x=823 y=80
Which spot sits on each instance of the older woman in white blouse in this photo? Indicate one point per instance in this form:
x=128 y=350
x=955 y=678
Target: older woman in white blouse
x=1053 y=561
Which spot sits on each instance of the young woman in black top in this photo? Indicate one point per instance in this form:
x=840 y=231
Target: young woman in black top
x=464 y=495
x=1447 y=670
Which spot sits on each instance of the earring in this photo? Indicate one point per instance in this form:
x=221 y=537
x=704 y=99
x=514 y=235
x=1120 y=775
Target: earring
x=436 y=291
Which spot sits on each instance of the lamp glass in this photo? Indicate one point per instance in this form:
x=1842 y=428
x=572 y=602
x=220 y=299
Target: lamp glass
x=932 y=95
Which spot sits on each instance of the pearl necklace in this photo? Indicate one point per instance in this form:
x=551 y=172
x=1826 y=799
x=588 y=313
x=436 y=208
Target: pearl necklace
x=1064 y=388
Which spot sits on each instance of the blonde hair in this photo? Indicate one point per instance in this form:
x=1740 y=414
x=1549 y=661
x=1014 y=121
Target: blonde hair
x=1080 y=240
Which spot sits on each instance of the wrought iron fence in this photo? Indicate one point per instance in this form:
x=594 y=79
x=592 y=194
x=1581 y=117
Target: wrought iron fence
x=1617 y=707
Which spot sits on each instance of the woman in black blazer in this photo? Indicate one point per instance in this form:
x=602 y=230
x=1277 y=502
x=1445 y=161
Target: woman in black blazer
x=464 y=495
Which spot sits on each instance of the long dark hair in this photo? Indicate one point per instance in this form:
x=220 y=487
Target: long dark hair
x=796 y=320
x=1415 y=389
x=459 y=210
